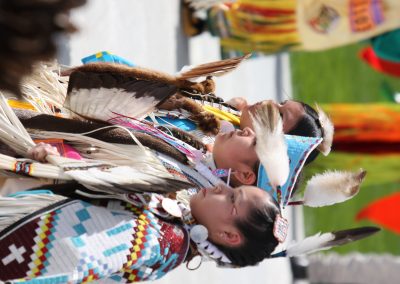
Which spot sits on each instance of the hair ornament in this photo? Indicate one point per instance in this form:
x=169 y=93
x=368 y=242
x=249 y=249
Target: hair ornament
x=198 y=234
x=280 y=230
x=332 y=187
x=271 y=147
x=299 y=148
x=326 y=241
x=328 y=131
x=221 y=172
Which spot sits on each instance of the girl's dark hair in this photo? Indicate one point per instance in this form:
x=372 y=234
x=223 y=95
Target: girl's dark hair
x=257 y=230
x=309 y=126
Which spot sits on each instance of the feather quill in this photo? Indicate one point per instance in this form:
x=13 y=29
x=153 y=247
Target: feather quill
x=326 y=241
x=327 y=126
x=332 y=187
x=271 y=146
x=216 y=68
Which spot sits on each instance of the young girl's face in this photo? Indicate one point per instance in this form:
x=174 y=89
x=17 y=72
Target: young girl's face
x=291 y=112
x=235 y=148
x=218 y=208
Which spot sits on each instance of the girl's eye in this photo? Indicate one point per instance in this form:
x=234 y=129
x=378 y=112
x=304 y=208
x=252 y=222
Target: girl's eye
x=234 y=210
x=284 y=102
x=233 y=197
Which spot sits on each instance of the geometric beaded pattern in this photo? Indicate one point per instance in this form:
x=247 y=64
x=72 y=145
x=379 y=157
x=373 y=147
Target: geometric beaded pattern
x=78 y=242
x=43 y=244
x=142 y=240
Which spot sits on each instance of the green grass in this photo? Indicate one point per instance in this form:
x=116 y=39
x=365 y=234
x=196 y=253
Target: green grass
x=338 y=75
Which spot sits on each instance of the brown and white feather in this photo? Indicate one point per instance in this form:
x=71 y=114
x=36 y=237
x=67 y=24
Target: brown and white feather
x=326 y=241
x=216 y=68
x=332 y=187
x=100 y=90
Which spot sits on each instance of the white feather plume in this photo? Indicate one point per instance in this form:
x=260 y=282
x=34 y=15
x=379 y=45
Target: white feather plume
x=327 y=126
x=271 y=146
x=326 y=241
x=310 y=244
x=332 y=187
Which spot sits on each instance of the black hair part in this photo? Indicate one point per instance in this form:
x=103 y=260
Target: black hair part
x=308 y=126
x=257 y=231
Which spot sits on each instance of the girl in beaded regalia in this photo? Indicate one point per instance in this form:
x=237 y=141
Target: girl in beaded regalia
x=81 y=233
x=112 y=226
x=123 y=238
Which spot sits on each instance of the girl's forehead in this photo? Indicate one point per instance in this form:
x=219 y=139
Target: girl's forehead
x=254 y=193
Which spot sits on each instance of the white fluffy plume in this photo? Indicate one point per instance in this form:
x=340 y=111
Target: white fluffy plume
x=271 y=146
x=310 y=244
x=327 y=126
x=328 y=240
x=332 y=187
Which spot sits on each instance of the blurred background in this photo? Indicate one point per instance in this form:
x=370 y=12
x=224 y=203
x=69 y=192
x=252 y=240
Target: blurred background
x=343 y=55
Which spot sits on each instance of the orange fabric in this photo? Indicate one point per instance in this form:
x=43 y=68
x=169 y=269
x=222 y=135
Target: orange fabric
x=366 y=127
x=384 y=211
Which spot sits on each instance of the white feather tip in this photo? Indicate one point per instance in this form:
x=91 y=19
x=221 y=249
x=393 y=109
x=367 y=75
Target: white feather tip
x=332 y=187
x=271 y=146
x=328 y=129
x=326 y=241
x=310 y=244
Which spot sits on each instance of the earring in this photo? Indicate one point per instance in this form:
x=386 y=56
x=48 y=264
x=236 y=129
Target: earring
x=198 y=234
x=221 y=172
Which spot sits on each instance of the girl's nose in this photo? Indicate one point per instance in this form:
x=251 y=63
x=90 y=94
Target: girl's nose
x=217 y=189
x=247 y=131
x=221 y=189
